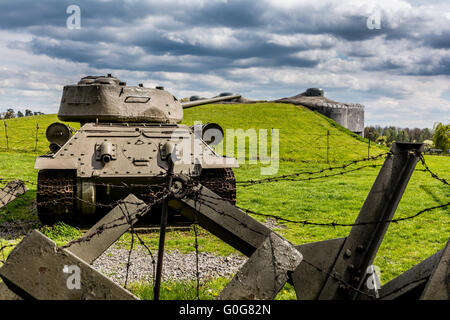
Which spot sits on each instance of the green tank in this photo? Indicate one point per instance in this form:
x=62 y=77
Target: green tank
x=128 y=137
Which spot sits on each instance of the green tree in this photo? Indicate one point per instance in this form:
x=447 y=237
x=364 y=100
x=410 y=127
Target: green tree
x=382 y=140
x=403 y=136
x=441 y=138
x=371 y=133
x=9 y=114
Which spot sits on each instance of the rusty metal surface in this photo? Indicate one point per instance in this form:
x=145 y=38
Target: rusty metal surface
x=438 y=286
x=361 y=246
x=265 y=272
x=11 y=191
x=308 y=279
x=112 y=227
x=224 y=220
x=37 y=269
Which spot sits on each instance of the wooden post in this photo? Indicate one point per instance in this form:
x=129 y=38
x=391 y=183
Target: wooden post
x=6 y=135
x=328 y=145
x=37 y=131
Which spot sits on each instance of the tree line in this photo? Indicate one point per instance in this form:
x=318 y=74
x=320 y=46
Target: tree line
x=10 y=114
x=438 y=137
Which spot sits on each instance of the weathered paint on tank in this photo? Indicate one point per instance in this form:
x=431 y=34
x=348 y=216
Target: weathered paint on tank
x=105 y=99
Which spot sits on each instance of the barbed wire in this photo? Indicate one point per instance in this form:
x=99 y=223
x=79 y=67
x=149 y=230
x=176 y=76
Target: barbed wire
x=341 y=281
x=157 y=197
x=427 y=169
x=131 y=228
x=2 y=248
x=114 y=223
x=292 y=176
x=336 y=224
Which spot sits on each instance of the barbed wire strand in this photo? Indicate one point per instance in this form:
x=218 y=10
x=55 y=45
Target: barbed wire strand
x=164 y=194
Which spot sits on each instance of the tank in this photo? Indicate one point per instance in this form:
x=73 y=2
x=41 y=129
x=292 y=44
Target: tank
x=129 y=138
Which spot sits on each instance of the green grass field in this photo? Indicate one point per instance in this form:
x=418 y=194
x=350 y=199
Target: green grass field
x=302 y=147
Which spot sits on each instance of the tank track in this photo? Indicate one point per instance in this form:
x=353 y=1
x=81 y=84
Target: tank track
x=220 y=181
x=56 y=195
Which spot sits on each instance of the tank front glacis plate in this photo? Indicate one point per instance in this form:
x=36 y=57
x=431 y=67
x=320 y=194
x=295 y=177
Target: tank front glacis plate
x=133 y=151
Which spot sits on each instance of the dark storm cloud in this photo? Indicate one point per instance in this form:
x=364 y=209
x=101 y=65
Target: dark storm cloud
x=441 y=41
x=132 y=35
x=236 y=14
x=268 y=54
x=251 y=21
x=24 y=13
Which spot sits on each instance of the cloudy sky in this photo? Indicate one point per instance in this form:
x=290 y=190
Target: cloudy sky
x=392 y=56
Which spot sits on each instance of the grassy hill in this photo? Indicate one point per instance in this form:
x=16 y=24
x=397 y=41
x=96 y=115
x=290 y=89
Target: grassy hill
x=304 y=134
x=307 y=140
x=21 y=133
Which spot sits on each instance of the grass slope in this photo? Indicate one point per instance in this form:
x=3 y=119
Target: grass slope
x=303 y=147
x=21 y=133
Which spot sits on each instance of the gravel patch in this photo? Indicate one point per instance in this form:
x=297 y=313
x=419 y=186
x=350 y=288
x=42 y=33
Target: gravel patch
x=176 y=266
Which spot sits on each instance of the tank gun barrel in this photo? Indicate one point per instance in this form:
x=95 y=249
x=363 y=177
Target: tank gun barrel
x=208 y=101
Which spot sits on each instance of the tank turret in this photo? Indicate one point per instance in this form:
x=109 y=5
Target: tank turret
x=107 y=99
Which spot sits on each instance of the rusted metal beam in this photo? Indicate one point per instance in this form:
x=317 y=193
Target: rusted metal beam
x=257 y=279
x=224 y=220
x=38 y=269
x=265 y=272
x=110 y=228
x=99 y=237
x=11 y=191
x=319 y=258
x=438 y=286
x=360 y=247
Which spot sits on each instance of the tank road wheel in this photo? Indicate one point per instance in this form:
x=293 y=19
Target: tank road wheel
x=56 y=195
x=220 y=181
